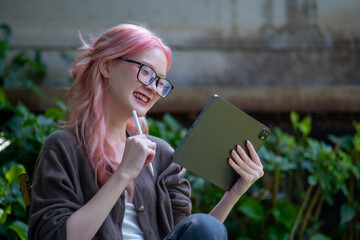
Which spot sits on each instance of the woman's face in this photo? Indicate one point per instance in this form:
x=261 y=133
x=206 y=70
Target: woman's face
x=125 y=92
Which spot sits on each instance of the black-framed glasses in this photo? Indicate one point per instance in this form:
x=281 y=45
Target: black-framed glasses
x=147 y=75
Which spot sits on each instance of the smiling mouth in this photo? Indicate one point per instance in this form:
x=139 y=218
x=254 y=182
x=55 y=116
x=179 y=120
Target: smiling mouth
x=141 y=97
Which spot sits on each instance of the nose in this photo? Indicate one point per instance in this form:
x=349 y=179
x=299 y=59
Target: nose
x=152 y=86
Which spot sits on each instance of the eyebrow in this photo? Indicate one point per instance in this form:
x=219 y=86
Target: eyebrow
x=150 y=65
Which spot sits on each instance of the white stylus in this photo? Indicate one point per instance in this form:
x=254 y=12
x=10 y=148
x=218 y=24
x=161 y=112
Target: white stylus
x=136 y=119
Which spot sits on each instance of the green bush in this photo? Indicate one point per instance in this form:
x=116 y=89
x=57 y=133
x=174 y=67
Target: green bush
x=13 y=222
x=21 y=136
x=25 y=131
x=20 y=70
x=21 y=139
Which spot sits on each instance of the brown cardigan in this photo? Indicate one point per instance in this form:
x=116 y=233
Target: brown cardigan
x=64 y=181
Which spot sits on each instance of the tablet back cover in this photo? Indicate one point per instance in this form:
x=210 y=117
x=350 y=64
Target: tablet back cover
x=217 y=130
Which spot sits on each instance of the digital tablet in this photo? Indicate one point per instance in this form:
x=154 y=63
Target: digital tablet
x=217 y=130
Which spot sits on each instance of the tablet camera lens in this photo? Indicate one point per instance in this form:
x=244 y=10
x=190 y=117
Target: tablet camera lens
x=264 y=134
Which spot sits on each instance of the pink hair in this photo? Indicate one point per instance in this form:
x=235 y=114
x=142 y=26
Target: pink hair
x=86 y=95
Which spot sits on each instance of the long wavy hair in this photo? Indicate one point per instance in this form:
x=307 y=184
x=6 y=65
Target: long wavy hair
x=86 y=95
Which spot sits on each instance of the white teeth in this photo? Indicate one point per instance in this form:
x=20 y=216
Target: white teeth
x=141 y=97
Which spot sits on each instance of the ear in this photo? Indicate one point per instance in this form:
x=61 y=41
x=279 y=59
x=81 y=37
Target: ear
x=104 y=67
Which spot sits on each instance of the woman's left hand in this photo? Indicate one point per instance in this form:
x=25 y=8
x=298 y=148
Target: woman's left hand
x=249 y=168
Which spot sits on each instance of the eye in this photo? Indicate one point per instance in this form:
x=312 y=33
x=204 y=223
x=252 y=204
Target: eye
x=161 y=84
x=145 y=71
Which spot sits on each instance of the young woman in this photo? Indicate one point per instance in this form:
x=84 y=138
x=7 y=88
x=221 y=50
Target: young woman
x=90 y=181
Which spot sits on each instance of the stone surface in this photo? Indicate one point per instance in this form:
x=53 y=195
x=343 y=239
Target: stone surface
x=233 y=44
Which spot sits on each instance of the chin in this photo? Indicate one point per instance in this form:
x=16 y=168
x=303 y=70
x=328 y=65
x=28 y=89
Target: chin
x=142 y=108
x=140 y=111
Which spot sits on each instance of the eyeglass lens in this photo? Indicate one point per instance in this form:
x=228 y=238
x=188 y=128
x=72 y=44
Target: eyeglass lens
x=147 y=75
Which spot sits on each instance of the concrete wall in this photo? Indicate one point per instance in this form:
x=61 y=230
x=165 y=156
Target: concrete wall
x=217 y=43
x=241 y=42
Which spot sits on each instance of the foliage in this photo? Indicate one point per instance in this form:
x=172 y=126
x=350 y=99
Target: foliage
x=21 y=136
x=19 y=70
x=168 y=129
x=26 y=131
x=13 y=223
x=303 y=174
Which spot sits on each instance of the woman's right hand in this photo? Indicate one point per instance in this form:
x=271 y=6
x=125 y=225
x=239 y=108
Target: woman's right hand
x=139 y=151
x=85 y=222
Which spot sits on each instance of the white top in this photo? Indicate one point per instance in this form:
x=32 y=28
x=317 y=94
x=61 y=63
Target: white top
x=130 y=226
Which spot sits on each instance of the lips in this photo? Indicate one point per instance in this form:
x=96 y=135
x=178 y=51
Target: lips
x=141 y=97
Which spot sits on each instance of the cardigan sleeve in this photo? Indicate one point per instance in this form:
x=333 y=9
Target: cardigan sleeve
x=55 y=192
x=179 y=192
x=172 y=183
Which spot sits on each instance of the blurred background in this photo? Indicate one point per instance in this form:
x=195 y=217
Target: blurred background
x=267 y=57
x=292 y=64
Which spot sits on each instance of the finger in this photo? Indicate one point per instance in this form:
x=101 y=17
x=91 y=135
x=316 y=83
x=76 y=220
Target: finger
x=245 y=157
x=141 y=147
x=150 y=157
x=143 y=140
x=253 y=153
x=240 y=162
x=152 y=145
x=239 y=170
x=250 y=175
x=247 y=164
x=236 y=167
x=143 y=137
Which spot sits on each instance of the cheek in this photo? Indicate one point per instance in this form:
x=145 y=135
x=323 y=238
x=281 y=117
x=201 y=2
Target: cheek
x=118 y=81
x=156 y=99
x=114 y=85
x=125 y=79
x=116 y=88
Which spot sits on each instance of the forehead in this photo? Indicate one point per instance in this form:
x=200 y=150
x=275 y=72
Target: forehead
x=155 y=58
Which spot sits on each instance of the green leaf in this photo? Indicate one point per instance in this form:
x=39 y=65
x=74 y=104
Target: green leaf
x=19 y=207
x=253 y=209
x=347 y=213
x=320 y=236
x=294 y=117
x=4 y=103
x=61 y=105
x=276 y=233
x=29 y=84
x=20 y=229
x=305 y=126
x=3 y=216
x=6 y=31
x=171 y=122
x=14 y=172
x=345 y=141
x=2 y=96
x=312 y=180
x=54 y=113
x=285 y=213
x=356 y=139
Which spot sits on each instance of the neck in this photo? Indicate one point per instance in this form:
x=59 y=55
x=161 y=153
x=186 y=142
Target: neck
x=116 y=130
